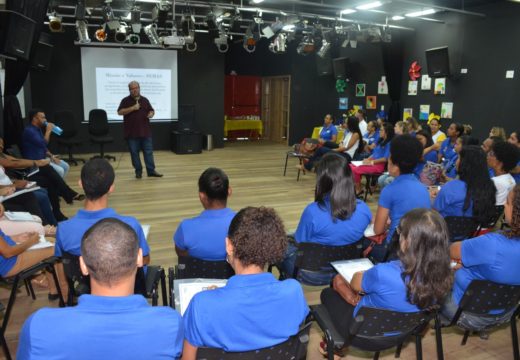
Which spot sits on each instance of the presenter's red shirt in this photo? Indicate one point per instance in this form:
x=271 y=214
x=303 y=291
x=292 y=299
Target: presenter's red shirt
x=136 y=124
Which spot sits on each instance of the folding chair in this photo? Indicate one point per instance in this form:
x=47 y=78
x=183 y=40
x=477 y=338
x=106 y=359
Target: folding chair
x=461 y=227
x=3 y=342
x=294 y=348
x=373 y=330
x=191 y=268
x=487 y=300
x=295 y=153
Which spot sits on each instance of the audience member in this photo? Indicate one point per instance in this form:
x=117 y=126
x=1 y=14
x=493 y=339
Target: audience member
x=111 y=322
x=498 y=132
x=401 y=128
x=428 y=155
x=447 y=148
x=473 y=193
x=370 y=138
x=254 y=310
x=412 y=125
x=450 y=169
x=34 y=142
x=405 y=193
x=513 y=139
x=437 y=135
x=493 y=256
x=97 y=180
x=468 y=129
x=335 y=218
x=502 y=158
x=361 y=116
x=204 y=236
x=328 y=132
x=418 y=280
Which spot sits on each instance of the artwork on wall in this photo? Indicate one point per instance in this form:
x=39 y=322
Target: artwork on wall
x=360 y=89
x=424 y=111
x=440 y=86
x=343 y=103
x=415 y=71
x=426 y=82
x=407 y=112
x=371 y=102
x=412 y=88
x=446 y=110
x=382 y=86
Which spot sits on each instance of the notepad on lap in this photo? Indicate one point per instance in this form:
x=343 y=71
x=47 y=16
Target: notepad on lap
x=347 y=268
x=42 y=244
x=357 y=163
x=185 y=290
x=18 y=216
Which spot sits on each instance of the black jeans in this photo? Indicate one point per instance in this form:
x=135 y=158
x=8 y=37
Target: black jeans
x=25 y=202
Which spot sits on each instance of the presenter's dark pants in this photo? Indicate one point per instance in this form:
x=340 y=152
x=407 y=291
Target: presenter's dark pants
x=145 y=145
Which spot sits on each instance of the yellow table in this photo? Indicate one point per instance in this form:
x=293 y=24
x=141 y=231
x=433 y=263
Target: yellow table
x=237 y=125
x=316 y=134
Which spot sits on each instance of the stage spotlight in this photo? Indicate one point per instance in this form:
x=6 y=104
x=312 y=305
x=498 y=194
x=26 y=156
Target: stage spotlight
x=135 y=20
x=133 y=39
x=151 y=32
x=211 y=21
x=120 y=35
x=108 y=16
x=82 y=29
x=325 y=47
x=160 y=13
x=101 y=34
x=80 y=10
x=249 y=41
x=279 y=44
x=306 y=46
x=55 y=23
x=222 y=43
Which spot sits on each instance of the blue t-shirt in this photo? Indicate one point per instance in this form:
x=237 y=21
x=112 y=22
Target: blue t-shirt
x=515 y=176
x=204 y=236
x=6 y=264
x=384 y=288
x=371 y=138
x=431 y=156
x=405 y=193
x=450 y=200
x=101 y=327
x=327 y=132
x=450 y=168
x=70 y=232
x=492 y=257
x=381 y=151
x=250 y=312
x=447 y=150
x=318 y=226
x=34 y=146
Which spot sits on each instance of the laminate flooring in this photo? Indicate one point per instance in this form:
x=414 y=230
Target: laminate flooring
x=255 y=170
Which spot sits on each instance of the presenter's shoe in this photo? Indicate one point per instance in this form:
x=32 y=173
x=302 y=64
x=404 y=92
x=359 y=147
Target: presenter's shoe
x=155 y=174
x=138 y=175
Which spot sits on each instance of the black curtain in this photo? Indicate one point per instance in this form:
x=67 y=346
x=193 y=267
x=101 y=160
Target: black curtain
x=16 y=71
x=393 y=65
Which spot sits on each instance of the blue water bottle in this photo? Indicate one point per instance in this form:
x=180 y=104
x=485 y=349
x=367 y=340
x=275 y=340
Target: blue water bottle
x=56 y=129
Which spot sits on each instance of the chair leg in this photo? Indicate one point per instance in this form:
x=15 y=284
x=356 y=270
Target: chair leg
x=465 y=338
x=438 y=338
x=376 y=355
x=155 y=297
x=514 y=338
x=50 y=268
x=398 y=350
x=7 y=354
x=285 y=167
x=418 y=347
x=163 y=288
x=27 y=287
x=31 y=289
x=10 y=304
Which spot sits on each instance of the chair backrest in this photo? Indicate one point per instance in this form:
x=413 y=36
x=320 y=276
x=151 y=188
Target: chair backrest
x=461 y=227
x=487 y=298
x=77 y=281
x=293 y=348
x=316 y=257
x=499 y=211
x=67 y=122
x=189 y=267
x=97 y=122
x=380 y=323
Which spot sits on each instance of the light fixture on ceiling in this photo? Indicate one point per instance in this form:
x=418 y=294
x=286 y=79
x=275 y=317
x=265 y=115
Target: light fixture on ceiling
x=101 y=34
x=221 y=42
x=271 y=30
x=55 y=24
x=82 y=30
x=160 y=12
x=80 y=11
x=151 y=33
x=326 y=43
x=398 y=17
x=135 y=19
x=108 y=16
x=249 y=40
x=188 y=30
x=370 y=5
x=289 y=27
x=421 y=13
x=306 y=46
x=347 y=11
x=120 y=35
x=133 y=39
x=211 y=21
x=257 y=1
x=279 y=44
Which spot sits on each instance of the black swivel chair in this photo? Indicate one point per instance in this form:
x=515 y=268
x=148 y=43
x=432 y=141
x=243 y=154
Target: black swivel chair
x=69 y=139
x=99 y=132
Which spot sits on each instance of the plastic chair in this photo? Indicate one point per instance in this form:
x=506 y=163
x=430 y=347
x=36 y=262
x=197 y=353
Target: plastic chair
x=295 y=153
x=295 y=348
x=484 y=299
x=461 y=227
x=99 y=132
x=373 y=330
x=66 y=120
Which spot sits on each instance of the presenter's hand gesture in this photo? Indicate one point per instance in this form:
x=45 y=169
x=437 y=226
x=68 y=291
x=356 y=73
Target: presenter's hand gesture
x=150 y=115
x=137 y=106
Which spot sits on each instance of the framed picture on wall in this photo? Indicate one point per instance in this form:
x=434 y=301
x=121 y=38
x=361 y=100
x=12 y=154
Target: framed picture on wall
x=412 y=88
x=426 y=82
x=371 y=102
x=440 y=86
x=424 y=111
x=343 y=103
x=360 y=90
x=446 y=110
x=407 y=112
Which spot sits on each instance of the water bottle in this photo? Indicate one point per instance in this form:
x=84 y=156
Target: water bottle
x=56 y=129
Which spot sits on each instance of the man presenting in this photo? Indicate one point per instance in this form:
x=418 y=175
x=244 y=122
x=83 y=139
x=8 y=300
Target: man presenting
x=137 y=112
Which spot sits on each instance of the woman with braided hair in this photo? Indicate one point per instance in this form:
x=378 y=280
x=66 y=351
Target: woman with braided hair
x=493 y=256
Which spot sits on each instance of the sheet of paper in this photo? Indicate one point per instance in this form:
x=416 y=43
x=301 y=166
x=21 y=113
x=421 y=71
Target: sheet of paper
x=187 y=290
x=347 y=268
x=42 y=244
x=18 y=216
x=357 y=163
x=369 y=231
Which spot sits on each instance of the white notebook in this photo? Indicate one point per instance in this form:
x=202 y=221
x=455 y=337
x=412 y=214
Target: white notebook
x=185 y=290
x=42 y=244
x=347 y=268
x=18 y=216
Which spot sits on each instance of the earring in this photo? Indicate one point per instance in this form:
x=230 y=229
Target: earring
x=227 y=259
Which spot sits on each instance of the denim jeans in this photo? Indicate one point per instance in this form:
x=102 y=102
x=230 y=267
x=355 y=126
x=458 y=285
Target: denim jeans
x=62 y=168
x=384 y=180
x=45 y=206
x=145 y=145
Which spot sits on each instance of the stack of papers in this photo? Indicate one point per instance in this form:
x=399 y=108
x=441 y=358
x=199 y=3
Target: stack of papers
x=347 y=268
x=185 y=290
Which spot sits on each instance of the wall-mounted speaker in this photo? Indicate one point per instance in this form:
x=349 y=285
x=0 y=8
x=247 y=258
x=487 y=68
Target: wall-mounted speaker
x=324 y=65
x=341 y=68
x=42 y=53
x=16 y=35
x=438 y=62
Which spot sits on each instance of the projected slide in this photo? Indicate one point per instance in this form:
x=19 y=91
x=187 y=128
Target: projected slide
x=112 y=86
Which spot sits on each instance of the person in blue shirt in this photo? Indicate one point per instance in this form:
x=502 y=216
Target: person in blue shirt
x=513 y=139
x=204 y=236
x=370 y=139
x=450 y=168
x=418 y=280
x=336 y=217
x=253 y=310
x=97 y=180
x=34 y=142
x=328 y=132
x=473 y=193
x=111 y=322
x=493 y=256
x=405 y=193
x=447 y=149
x=426 y=141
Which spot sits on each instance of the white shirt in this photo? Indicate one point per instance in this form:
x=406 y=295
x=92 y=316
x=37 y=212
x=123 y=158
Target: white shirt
x=345 y=141
x=504 y=184
x=363 y=126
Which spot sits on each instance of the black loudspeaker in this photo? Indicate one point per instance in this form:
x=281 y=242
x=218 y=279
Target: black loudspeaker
x=42 y=53
x=438 y=62
x=16 y=35
x=186 y=118
x=341 y=68
x=186 y=143
x=324 y=65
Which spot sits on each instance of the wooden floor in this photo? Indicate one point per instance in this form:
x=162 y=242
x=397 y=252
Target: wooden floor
x=255 y=171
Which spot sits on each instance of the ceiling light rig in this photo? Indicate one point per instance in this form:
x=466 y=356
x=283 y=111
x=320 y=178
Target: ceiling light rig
x=249 y=40
x=55 y=24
